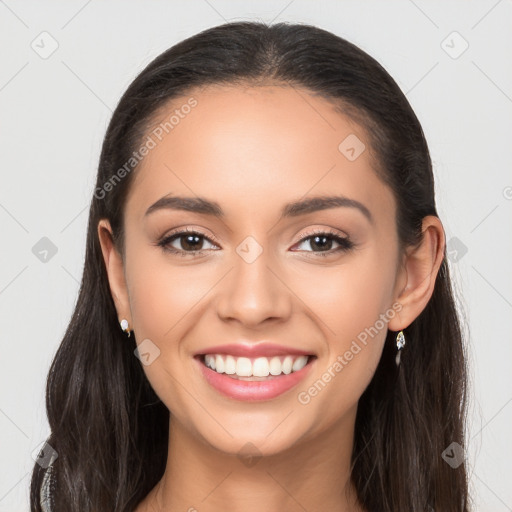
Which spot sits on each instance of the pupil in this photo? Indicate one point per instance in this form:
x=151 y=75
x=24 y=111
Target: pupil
x=190 y=241
x=321 y=245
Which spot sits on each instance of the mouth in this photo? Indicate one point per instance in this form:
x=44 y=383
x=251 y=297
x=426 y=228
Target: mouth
x=259 y=378
x=254 y=368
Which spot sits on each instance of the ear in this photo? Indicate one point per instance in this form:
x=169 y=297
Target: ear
x=115 y=271
x=417 y=276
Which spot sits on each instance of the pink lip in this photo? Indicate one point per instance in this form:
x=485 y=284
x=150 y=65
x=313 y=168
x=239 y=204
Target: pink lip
x=253 y=350
x=253 y=390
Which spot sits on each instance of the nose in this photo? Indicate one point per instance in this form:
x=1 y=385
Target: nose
x=254 y=293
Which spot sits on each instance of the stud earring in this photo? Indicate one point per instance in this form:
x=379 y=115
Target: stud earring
x=400 y=344
x=125 y=327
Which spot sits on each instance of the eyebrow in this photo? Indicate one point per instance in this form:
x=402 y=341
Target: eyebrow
x=293 y=209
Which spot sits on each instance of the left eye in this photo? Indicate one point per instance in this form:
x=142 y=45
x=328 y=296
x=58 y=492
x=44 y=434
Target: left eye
x=323 y=242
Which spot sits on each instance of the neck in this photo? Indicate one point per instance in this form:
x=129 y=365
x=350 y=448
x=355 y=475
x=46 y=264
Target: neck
x=311 y=475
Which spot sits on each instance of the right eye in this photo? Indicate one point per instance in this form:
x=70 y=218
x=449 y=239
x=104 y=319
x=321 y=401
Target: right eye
x=191 y=242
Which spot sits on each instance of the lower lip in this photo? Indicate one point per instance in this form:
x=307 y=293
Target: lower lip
x=253 y=390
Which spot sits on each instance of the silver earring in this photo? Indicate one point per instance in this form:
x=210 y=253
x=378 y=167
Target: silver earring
x=125 y=327
x=400 y=344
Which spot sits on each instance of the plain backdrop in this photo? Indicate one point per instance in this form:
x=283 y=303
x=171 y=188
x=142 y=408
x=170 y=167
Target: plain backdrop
x=65 y=65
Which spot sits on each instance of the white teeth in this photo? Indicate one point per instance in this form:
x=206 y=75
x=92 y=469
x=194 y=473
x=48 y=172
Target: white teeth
x=243 y=367
x=275 y=366
x=230 y=365
x=259 y=367
x=219 y=364
x=209 y=361
x=287 y=365
x=299 y=363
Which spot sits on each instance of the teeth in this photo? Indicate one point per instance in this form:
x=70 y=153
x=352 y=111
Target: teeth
x=298 y=364
x=261 y=367
x=243 y=367
x=219 y=364
x=258 y=367
x=287 y=365
x=230 y=365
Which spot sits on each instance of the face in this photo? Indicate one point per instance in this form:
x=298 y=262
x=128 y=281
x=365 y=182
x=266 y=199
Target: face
x=253 y=271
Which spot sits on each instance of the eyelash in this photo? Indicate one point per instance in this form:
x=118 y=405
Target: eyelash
x=345 y=244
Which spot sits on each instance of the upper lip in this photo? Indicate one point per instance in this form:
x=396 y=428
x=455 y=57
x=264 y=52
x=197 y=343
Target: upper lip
x=262 y=349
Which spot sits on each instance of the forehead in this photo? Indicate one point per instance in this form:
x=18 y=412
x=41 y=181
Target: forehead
x=256 y=147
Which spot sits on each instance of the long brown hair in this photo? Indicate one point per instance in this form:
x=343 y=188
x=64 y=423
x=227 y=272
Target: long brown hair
x=109 y=428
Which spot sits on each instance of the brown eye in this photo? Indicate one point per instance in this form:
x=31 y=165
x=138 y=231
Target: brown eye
x=189 y=242
x=323 y=242
x=185 y=242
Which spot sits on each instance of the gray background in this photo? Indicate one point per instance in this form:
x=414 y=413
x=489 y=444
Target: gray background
x=54 y=111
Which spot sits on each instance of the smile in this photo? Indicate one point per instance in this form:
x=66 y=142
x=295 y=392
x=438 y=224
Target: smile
x=245 y=367
x=261 y=378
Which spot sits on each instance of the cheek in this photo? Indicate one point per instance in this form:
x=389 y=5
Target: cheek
x=165 y=301
x=348 y=299
x=163 y=294
x=352 y=306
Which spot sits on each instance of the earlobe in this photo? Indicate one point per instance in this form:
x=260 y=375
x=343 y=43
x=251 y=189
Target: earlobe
x=115 y=270
x=420 y=269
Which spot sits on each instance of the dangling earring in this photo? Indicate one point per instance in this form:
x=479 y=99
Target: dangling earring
x=124 y=327
x=400 y=344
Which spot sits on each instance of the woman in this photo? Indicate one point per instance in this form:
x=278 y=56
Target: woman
x=265 y=320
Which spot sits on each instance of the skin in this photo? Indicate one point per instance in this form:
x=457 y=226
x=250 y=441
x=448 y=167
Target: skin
x=253 y=149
